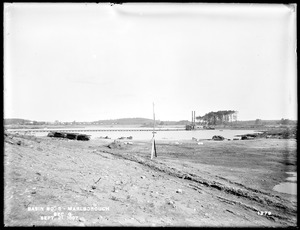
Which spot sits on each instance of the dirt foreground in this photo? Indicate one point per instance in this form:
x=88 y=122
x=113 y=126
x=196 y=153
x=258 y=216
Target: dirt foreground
x=60 y=182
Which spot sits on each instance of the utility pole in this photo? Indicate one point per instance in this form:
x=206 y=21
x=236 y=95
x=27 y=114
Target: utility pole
x=153 y=149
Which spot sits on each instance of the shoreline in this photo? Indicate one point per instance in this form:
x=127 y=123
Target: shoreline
x=256 y=134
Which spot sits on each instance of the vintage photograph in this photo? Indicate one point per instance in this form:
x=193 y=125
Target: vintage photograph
x=150 y=114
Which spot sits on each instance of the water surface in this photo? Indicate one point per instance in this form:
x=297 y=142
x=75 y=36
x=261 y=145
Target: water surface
x=160 y=134
x=289 y=187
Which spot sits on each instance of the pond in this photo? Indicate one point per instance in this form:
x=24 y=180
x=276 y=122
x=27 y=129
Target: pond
x=290 y=186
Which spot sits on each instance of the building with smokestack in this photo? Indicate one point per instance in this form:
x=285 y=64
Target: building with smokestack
x=192 y=126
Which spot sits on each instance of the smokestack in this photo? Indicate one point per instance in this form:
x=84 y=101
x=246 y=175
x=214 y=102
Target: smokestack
x=194 y=117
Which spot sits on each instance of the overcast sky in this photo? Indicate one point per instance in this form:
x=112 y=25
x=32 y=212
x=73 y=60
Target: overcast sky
x=87 y=62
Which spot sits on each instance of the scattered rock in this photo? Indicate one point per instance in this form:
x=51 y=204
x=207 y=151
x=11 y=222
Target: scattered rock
x=81 y=219
x=113 y=198
x=130 y=137
x=114 y=190
x=143 y=177
x=115 y=145
x=151 y=205
x=94 y=187
x=106 y=137
x=128 y=143
x=218 y=138
x=179 y=191
x=171 y=202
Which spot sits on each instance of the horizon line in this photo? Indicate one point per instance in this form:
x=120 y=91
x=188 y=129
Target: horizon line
x=142 y=118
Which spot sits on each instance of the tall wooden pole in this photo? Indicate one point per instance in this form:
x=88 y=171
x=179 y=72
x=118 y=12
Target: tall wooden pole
x=153 y=149
x=153 y=121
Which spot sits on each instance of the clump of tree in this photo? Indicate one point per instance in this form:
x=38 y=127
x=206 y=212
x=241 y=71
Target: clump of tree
x=284 y=122
x=258 y=122
x=219 y=117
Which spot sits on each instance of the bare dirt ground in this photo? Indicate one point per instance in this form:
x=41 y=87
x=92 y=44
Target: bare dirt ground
x=60 y=182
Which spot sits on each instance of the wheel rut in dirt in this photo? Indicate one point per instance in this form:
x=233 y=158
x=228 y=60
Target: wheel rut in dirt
x=260 y=198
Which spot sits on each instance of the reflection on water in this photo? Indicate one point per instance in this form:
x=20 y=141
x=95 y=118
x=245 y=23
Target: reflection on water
x=288 y=187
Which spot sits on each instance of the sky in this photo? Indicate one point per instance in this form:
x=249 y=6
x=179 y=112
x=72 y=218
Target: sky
x=88 y=61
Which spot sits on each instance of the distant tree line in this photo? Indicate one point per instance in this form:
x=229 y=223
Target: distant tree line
x=280 y=122
x=16 y=121
x=219 y=117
